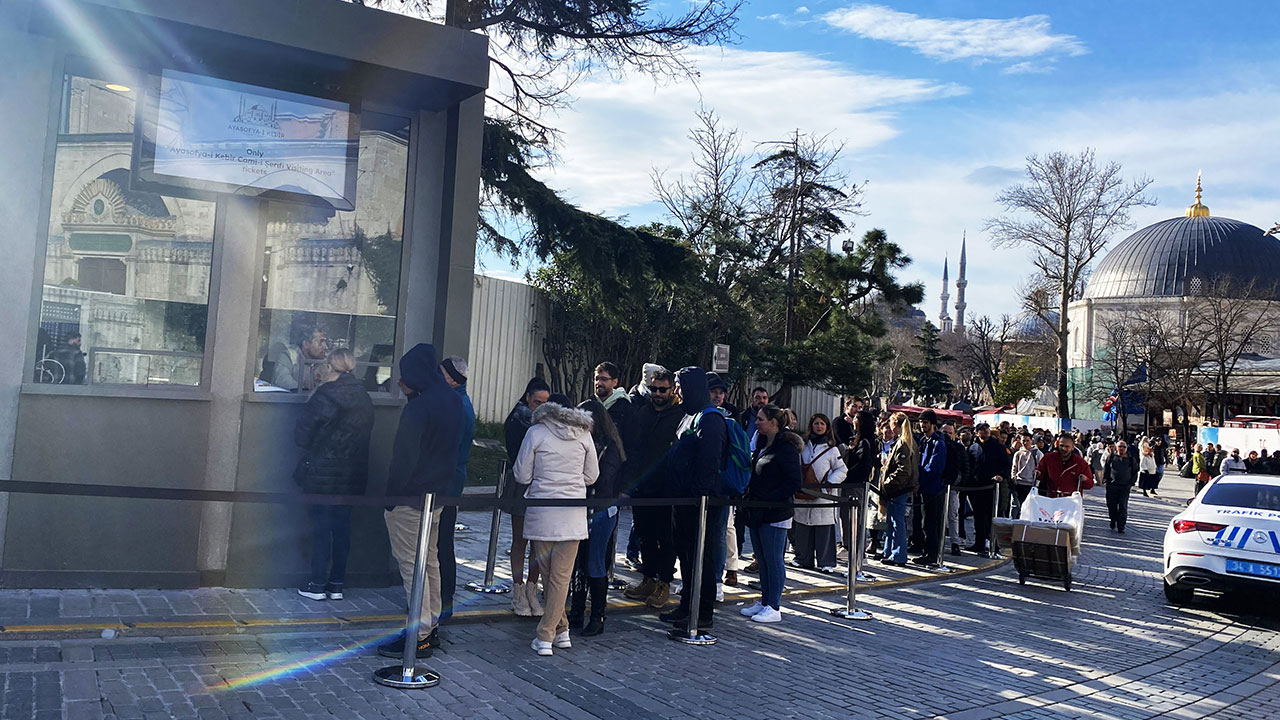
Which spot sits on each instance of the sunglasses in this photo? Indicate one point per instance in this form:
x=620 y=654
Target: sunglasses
x=659 y=390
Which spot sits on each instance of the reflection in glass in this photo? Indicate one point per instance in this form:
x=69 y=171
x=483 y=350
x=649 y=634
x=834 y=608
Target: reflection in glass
x=331 y=279
x=126 y=282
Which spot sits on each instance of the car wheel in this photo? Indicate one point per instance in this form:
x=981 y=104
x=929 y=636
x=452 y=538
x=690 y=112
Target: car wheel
x=1177 y=595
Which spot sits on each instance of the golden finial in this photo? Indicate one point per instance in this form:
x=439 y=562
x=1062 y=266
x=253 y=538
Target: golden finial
x=1198 y=210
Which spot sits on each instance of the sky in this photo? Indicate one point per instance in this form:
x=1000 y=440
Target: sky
x=938 y=104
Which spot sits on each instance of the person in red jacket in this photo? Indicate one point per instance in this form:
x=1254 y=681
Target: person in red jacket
x=1060 y=473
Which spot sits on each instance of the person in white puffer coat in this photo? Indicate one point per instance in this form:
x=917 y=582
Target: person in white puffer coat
x=813 y=534
x=557 y=461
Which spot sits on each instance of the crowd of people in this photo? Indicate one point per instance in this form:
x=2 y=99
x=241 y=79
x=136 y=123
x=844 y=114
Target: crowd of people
x=675 y=436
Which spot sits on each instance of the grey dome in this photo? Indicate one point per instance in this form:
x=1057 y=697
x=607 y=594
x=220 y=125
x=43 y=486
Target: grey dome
x=1174 y=257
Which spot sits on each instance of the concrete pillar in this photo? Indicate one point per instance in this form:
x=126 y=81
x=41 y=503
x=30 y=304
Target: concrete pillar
x=234 y=289
x=32 y=82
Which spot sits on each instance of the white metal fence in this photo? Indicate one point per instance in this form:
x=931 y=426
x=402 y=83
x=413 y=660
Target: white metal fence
x=508 y=323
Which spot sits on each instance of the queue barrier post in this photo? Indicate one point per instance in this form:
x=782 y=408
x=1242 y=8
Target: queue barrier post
x=850 y=611
x=691 y=634
x=993 y=549
x=942 y=566
x=408 y=675
x=488 y=586
x=861 y=545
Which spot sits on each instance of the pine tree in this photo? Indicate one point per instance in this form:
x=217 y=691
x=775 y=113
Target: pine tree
x=926 y=380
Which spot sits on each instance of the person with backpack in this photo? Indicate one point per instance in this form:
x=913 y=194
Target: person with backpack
x=813 y=536
x=954 y=474
x=775 y=477
x=694 y=466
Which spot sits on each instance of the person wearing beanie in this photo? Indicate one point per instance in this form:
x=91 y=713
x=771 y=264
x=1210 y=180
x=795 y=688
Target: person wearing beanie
x=424 y=459
x=455 y=373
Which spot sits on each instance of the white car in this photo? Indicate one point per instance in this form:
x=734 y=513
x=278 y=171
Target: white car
x=1229 y=536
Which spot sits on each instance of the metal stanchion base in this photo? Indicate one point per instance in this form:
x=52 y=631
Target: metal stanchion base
x=851 y=614
x=994 y=555
x=494 y=589
x=701 y=638
x=394 y=677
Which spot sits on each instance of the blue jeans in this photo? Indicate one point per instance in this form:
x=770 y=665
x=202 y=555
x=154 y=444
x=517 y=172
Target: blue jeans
x=330 y=544
x=770 y=543
x=599 y=534
x=895 y=535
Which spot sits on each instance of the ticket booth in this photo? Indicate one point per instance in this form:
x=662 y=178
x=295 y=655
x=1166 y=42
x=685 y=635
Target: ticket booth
x=200 y=199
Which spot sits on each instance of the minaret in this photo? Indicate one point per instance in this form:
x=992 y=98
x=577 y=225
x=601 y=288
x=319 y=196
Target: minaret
x=944 y=320
x=960 y=284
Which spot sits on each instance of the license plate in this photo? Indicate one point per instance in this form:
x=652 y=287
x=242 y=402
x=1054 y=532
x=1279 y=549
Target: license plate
x=1242 y=567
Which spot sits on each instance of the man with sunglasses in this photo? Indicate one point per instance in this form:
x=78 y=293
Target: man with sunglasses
x=654 y=426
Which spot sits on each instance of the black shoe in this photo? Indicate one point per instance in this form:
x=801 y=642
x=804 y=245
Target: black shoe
x=892 y=563
x=955 y=549
x=678 y=615
x=754 y=567
x=915 y=549
x=595 y=627
x=312 y=591
x=1113 y=524
x=576 y=622
x=395 y=648
x=1121 y=531
x=975 y=548
x=703 y=624
x=924 y=561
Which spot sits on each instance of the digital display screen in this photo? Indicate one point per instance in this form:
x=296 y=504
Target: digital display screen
x=216 y=135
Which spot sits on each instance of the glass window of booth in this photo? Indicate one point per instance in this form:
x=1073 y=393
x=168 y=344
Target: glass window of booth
x=125 y=296
x=331 y=279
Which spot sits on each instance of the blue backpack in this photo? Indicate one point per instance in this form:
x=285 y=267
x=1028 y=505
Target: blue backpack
x=735 y=473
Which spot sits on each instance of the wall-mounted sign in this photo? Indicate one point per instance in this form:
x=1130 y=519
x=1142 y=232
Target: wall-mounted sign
x=207 y=134
x=720 y=359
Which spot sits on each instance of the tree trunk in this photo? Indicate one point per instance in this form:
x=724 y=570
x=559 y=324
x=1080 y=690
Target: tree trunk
x=1064 y=409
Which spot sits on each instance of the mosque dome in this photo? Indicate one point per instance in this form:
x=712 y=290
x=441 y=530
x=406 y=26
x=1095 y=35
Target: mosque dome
x=1180 y=256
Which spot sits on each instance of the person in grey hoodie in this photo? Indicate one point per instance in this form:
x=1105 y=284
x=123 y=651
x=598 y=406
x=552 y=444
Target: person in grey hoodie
x=557 y=460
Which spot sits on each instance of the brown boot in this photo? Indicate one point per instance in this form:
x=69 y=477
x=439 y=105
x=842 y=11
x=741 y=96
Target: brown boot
x=660 y=597
x=731 y=578
x=641 y=591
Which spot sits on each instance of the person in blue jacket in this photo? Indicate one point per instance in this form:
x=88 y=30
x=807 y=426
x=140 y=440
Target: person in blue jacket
x=933 y=459
x=694 y=465
x=424 y=459
x=455 y=373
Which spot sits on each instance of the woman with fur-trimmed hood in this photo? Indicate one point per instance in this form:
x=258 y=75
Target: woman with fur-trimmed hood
x=557 y=461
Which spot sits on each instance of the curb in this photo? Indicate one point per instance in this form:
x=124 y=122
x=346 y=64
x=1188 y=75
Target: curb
x=163 y=628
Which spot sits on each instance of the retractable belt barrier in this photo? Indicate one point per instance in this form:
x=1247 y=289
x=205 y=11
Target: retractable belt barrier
x=464 y=502
x=409 y=675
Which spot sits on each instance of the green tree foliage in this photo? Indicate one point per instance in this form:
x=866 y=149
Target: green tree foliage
x=925 y=380
x=1018 y=381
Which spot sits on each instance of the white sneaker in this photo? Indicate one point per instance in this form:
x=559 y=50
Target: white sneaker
x=719 y=592
x=520 y=600
x=676 y=587
x=828 y=569
x=753 y=609
x=542 y=647
x=768 y=615
x=561 y=641
x=535 y=607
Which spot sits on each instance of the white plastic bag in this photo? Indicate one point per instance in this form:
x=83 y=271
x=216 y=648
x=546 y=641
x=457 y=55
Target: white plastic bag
x=1059 y=512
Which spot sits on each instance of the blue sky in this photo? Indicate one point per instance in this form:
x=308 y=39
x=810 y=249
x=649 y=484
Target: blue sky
x=938 y=104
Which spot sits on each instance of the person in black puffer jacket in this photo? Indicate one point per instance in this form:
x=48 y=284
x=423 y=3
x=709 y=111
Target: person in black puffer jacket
x=776 y=476
x=333 y=432
x=591 y=569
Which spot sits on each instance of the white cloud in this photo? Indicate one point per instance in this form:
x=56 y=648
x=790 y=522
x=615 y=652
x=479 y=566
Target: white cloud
x=619 y=130
x=954 y=38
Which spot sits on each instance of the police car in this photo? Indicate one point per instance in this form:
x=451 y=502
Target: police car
x=1228 y=537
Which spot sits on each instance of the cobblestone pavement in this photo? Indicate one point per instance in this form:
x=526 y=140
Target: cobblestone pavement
x=971 y=648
